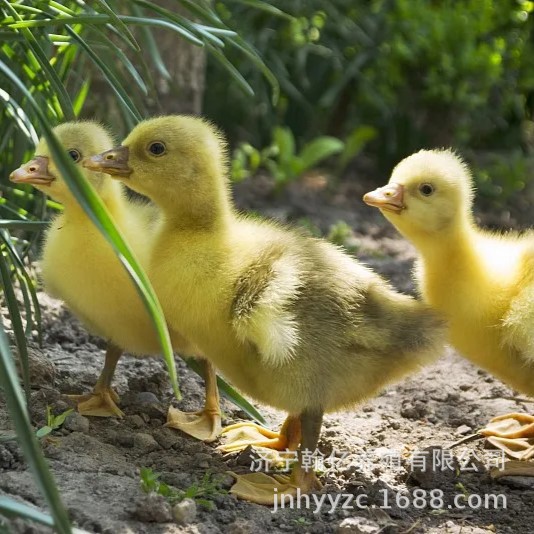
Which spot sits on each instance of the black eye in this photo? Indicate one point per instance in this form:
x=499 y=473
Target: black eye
x=75 y=155
x=426 y=189
x=157 y=148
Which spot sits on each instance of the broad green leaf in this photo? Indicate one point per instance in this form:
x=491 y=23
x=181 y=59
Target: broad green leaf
x=285 y=142
x=355 y=142
x=43 y=431
x=319 y=149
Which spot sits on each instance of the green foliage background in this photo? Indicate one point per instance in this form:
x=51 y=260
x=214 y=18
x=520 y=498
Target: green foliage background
x=422 y=73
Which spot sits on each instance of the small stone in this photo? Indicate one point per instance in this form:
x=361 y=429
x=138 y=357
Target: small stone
x=357 y=525
x=145 y=442
x=135 y=420
x=463 y=429
x=202 y=460
x=185 y=511
x=76 y=422
x=145 y=397
x=167 y=438
x=124 y=439
x=153 y=508
x=148 y=404
x=42 y=370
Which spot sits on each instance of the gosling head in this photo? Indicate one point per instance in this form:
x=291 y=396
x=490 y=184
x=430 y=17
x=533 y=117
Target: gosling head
x=430 y=191
x=80 y=139
x=178 y=161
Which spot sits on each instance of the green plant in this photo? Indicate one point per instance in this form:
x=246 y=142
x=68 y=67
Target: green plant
x=43 y=47
x=422 y=74
x=281 y=158
x=201 y=492
x=53 y=422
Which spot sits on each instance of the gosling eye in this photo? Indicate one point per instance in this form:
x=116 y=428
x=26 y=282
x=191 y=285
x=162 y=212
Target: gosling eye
x=75 y=155
x=426 y=189
x=157 y=148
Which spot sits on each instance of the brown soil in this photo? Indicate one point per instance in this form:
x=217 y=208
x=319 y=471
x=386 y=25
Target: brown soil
x=96 y=462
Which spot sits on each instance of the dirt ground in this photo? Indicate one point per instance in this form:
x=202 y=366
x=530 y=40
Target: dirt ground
x=380 y=446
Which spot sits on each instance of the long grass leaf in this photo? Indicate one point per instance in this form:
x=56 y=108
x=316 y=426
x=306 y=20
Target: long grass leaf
x=104 y=19
x=234 y=73
x=26 y=438
x=114 y=83
x=97 y=212
x=204 y=13
x=48 y=71
x=26 y=280
x=180 y=21
x=264 y=6
x=16 y=321
x=119 y=25
x=253 y=55
x=30 y=226
x=12 y=508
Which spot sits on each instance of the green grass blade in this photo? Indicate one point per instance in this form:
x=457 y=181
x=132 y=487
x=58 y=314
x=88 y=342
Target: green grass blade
x=26 y=438
x=253 y=55
x=203 y=12
x=119 y=25
x=12 y=508
x=26 y=282
x=16 y=320
x=114 y=83
x=104 y=19
x=151 y=47
x=234 y=73
x=19 y=117
x=49 y=72
x=29 y=226
x=80 y=98
x=95 y=209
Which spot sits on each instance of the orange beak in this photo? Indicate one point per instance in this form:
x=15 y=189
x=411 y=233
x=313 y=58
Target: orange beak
x=390 y=198
x=113 y=162
x=34 y=172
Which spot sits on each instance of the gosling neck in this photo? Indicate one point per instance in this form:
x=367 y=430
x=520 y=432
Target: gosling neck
x=109 y=192
x=453 y=246
x=196 y=213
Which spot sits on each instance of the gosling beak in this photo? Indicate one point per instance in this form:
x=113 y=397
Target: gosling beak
x=34 y=172
x=113 y=162
x=390 y=198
